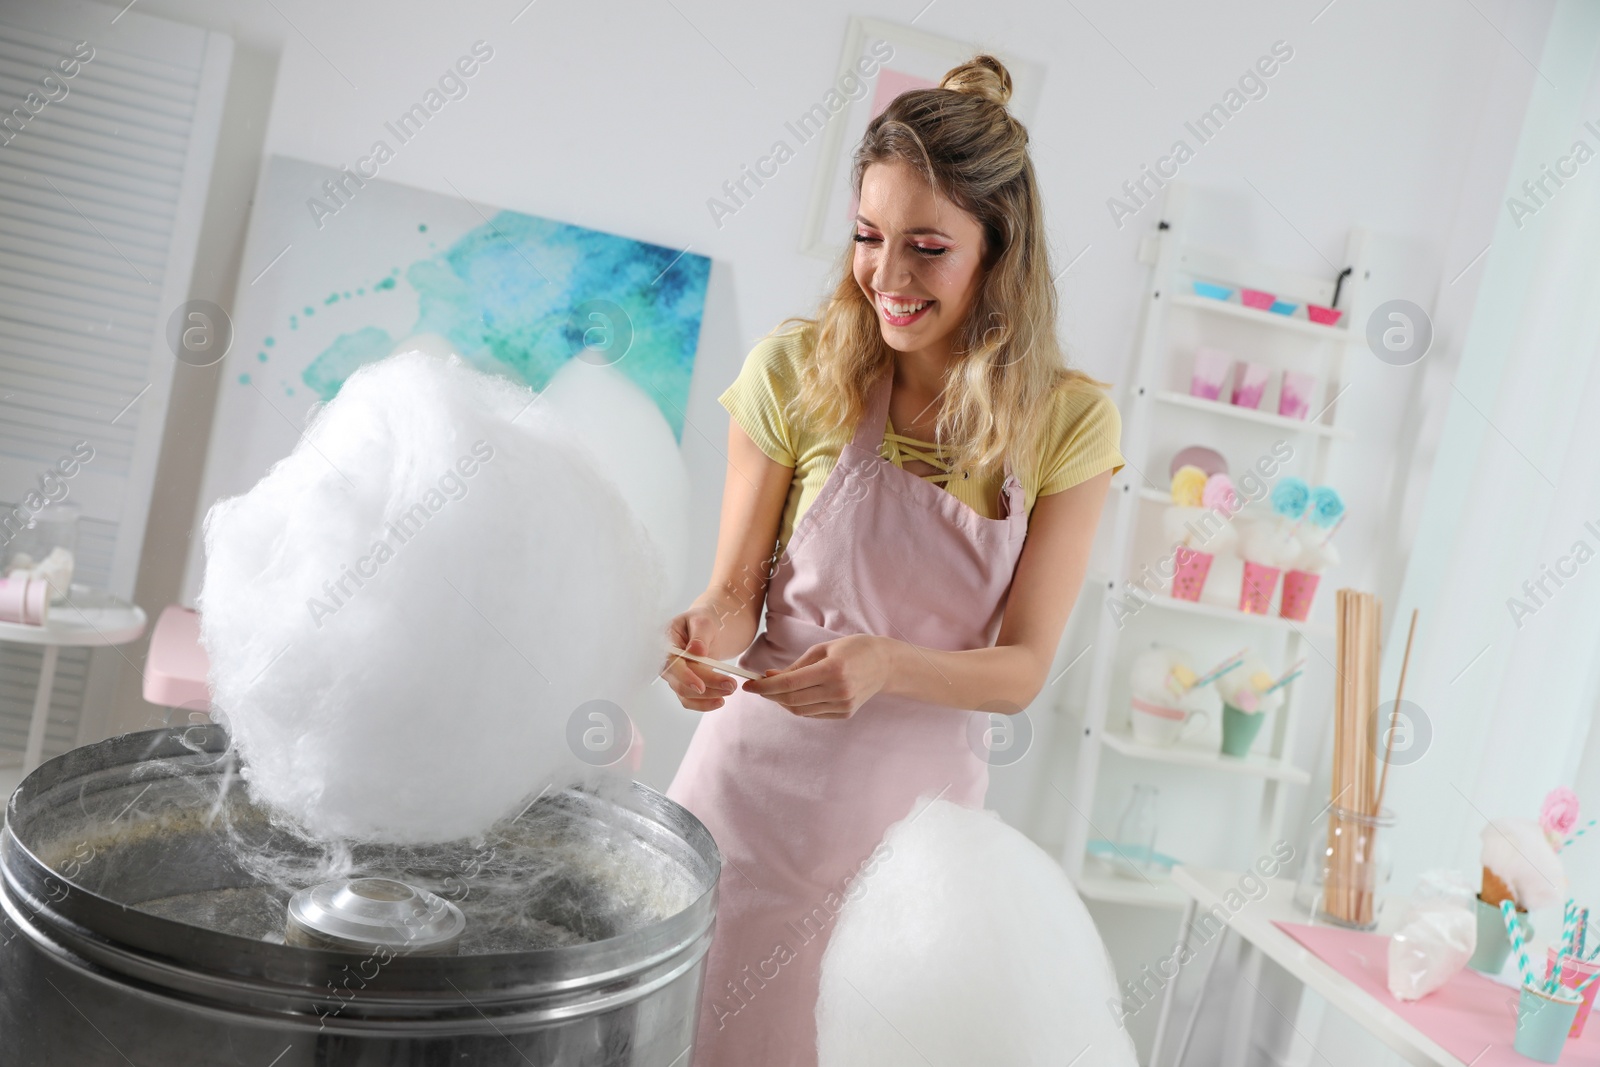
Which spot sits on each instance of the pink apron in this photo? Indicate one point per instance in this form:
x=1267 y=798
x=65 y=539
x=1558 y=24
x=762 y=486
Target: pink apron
x=796 y=804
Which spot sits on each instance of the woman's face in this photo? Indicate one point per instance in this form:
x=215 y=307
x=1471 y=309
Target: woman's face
x=918 y=258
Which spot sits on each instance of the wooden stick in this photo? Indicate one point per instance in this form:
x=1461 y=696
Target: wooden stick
x=1399 y=691
x=715 y=664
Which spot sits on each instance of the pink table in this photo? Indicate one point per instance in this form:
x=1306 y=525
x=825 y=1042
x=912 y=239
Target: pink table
x=1470 y=1016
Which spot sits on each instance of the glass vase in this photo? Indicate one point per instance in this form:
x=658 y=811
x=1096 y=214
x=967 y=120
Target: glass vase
x=1347 y=868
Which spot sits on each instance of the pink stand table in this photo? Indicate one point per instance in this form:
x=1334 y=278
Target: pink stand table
x=1471 y=1016
x=1471 y=1011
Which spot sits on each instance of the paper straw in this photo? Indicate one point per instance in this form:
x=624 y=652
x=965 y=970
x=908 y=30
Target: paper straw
x=1569 y=931
x=1508 y=913
x=1583 y=931
x=1586 y=983
x=1580 y=832
x=1222 y=668
x=1280 y=684
x=1235 y=665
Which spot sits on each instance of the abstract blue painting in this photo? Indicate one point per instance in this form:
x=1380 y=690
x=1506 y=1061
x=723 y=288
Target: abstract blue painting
x=514 y=294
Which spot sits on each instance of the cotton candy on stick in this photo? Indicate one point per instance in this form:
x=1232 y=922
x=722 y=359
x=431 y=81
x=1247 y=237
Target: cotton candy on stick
x=967 y=945
x=405 y=612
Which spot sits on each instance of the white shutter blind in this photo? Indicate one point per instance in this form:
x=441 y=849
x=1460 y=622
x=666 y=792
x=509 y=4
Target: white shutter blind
x=101 y=192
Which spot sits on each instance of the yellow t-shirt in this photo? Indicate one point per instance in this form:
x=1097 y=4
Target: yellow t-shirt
x=1083 y=434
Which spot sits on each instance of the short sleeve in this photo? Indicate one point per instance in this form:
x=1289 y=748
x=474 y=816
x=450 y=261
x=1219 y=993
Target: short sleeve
x=756 y=399
x=1086 y=431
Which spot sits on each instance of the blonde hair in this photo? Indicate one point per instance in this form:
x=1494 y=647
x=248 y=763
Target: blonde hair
x=1007 y=358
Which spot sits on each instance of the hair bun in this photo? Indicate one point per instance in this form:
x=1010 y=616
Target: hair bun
x=982 y=75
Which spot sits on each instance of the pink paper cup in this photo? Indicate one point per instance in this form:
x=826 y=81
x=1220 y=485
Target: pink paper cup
x=1249 y=382
x=1294 y=399
x=1211 y=366
x=1255 y=591
x=1190 y=577
x=1573 y=972
x=1298 y=589
x=1255 y=298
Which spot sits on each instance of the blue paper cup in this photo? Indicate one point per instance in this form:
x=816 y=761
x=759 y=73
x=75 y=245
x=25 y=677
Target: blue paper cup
x=1493 y=945
x=1239 y=730
x=1543 y=1020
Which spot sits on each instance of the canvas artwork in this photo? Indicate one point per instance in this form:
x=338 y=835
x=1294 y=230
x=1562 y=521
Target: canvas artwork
x=337 y=274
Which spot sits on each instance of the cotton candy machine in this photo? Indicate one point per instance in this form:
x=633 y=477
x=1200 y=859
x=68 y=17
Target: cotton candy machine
x=153 y=915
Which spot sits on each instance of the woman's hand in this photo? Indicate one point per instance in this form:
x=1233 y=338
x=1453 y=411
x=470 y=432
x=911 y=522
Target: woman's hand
x=699 y=688
x=831 y=680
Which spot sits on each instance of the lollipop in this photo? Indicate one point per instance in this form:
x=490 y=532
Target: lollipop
x=1326 y=507
x=1290 y=497
x=1188 y=486
x=1219 y=494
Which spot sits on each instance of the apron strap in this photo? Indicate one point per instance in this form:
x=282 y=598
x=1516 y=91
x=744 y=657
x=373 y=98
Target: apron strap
x=875 y=416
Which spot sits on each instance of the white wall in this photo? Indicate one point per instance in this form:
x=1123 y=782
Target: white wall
x=626 y=117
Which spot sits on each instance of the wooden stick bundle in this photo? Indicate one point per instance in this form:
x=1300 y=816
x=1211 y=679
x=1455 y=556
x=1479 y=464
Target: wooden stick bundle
x=1348 y=896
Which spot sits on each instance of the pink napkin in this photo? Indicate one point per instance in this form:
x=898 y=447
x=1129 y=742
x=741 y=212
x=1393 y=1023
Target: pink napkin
x=1471 y=1017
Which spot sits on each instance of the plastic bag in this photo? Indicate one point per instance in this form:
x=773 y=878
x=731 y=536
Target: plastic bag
x=1436 y=939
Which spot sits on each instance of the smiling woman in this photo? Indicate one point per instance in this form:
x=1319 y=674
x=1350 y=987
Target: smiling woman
x=931 y=475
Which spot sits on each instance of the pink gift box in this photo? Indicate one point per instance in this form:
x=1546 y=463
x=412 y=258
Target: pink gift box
x=1298 y=589
x=1319 y=314
x=1249 y=382
x=1255 y=591
x=1255 y=298
x=1210 y=371
x=1573 y=972
x=1190 y=577
x=1294 y=399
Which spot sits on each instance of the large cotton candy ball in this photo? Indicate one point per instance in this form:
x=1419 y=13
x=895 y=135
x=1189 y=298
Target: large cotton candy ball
x=967 y=945
x=405 y=614
x=629 y=439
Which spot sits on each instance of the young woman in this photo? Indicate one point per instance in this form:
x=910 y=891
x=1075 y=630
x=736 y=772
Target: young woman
x=914 y=480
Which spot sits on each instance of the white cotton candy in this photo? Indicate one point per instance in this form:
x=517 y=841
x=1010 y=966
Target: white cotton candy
x=627 y=436
x=1151 y=678
x=967 y=945
x=403 y=615
x=1268 y=542
x=1202 y=529
x=1316 y=558
x=1521 y=855
x=1252 y=677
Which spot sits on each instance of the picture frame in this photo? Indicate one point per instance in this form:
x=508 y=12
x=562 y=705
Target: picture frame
x=919 y=59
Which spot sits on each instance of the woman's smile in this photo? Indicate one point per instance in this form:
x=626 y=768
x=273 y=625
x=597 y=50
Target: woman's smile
x=902 y=311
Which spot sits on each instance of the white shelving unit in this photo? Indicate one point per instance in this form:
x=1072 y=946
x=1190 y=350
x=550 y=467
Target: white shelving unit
x=1172 y=320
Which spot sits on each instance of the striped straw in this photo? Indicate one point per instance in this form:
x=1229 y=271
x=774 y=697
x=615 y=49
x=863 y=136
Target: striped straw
x=1579 y=833
x=1585 y=984
x=1569 y=933
x=1508 y=913
x=1222 y=668
x=1280 y=684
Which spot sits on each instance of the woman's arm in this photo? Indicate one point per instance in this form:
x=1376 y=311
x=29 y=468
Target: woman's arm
x=833 y=679
x=721 y=622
